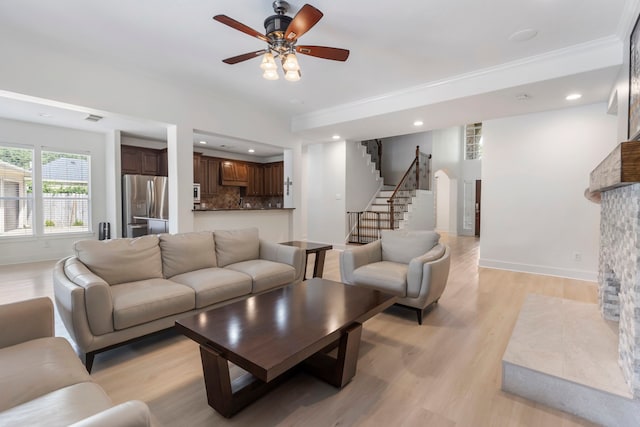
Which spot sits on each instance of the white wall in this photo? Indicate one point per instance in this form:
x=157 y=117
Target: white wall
x=26 y=249
x=325 y=192
x=443 y=192
x=399 y=151
x=362 y=178
x=447 y=156
x=535 y=170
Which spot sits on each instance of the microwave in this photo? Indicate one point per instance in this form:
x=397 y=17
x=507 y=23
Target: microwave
x=196 y=193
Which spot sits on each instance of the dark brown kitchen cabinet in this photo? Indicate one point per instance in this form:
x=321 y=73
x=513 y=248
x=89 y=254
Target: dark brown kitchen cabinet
x=210 y=171
x=142 y=161
x=163 y=163
x=197 y=168
x=273 y=179
x=255 y=180
x=234 y=173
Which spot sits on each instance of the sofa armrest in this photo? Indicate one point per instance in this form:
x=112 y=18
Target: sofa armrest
x=26 y=320
x=353 y=258
x=284 y=254
x=97 y=295
x=133 y=413
x=428 y=273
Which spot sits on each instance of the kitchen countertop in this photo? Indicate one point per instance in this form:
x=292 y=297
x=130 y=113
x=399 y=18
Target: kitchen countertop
x=240 y=209
x=150 y=219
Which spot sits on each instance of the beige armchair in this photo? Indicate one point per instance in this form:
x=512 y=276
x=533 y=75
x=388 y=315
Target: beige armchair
x=410 y=264
x=44 y=383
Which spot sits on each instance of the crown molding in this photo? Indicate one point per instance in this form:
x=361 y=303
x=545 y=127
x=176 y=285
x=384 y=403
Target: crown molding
x=596 y=54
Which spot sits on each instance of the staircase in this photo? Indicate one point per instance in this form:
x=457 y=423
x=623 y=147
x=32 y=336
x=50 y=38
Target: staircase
x=392 y=206
x=366 y=225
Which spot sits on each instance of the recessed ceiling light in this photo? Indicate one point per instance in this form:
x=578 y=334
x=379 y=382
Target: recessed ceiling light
x=203 y=142
x=336 y=137
x=45 y=115
x=418 y=123
x=251 y=150
x=523 y=35
x=573 y=97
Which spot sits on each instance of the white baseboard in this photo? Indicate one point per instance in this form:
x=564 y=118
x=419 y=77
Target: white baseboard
x=590 y=276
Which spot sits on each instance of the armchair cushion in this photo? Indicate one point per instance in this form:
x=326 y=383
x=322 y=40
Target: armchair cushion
x=121 y=260
x=402 y=245
x=236 y=245
x=187 y=252
x=60 y=407
x=35 y=368
x=386 y=276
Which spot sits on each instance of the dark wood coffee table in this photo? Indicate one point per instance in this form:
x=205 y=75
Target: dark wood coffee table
x=269 y=334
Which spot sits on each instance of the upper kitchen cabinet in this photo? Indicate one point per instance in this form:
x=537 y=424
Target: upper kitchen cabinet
x=197 y=168
x=273 y=179
x=209 y=167
x=142 y=161
x=234 y=173
x=255 y=181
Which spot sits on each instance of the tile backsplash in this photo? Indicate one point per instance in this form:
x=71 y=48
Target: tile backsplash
x=229 y=198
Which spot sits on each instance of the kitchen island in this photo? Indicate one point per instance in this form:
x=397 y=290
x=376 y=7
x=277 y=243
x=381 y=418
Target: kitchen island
x=274 y=224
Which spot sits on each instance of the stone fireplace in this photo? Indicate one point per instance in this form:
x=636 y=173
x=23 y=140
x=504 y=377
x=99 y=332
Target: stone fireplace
x=619 y=269
x=619 y=278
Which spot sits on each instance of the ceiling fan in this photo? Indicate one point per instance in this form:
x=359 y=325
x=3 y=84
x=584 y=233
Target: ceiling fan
x=282 y=33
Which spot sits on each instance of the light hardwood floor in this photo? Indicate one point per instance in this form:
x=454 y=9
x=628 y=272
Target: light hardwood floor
x=446 y=372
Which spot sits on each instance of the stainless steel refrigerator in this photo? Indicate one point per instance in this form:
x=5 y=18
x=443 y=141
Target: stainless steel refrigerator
x=143 y=196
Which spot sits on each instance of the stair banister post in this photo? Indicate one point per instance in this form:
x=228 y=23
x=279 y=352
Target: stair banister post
x=417 y=167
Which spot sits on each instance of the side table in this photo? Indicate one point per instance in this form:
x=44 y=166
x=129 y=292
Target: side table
x=320 y=249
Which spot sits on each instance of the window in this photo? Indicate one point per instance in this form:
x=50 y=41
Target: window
x=65 y=192
x=54 y=200
x=473 y=141
x=16 y=191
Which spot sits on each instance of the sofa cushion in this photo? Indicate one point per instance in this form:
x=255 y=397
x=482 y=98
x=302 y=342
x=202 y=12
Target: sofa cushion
x=187 y=252
x=265 y=274
x=236 y=245
x=403 y=245
x=139 y=302
x=61 y=407
x=121 y=260
x=213 y=285
x=37 y=367
x=386 y=276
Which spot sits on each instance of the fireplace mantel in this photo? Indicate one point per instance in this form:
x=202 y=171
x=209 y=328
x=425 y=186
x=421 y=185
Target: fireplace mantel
x=621 y=167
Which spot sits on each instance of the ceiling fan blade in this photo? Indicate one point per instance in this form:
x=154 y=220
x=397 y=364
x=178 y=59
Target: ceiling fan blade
x=240 y=27
x=333 y=53
x=306 y=18
x=243 y=57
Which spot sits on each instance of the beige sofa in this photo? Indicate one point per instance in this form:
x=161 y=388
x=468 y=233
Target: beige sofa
x=410 y=264
x=114 y=291
x=42 y=380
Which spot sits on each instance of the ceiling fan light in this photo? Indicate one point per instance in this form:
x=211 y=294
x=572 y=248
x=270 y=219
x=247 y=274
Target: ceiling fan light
x=268 y=62
x=270 y=74
x=291 y=62
x=292 y=76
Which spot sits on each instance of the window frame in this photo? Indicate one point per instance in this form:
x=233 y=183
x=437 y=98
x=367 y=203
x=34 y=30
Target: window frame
x=37 y=199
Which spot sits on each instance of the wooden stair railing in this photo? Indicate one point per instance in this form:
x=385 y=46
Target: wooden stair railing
x=417 y=177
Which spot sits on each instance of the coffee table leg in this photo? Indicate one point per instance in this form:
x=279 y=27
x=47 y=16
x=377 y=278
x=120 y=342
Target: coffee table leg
x=228 y=397
x=217 y=381
x=338 y=372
